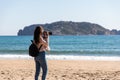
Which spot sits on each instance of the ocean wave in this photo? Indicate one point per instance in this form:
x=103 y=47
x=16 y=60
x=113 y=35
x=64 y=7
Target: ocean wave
x=85 y=53
x=81 y=53
x=73 y=57
x=13 y=51
x=63 y=57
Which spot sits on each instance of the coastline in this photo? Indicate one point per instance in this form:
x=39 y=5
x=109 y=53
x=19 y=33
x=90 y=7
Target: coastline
x=23 y=69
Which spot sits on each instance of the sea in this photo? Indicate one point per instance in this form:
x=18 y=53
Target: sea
x=84 y=47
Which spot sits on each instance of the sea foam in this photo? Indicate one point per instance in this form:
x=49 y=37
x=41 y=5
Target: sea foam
x=64 y=57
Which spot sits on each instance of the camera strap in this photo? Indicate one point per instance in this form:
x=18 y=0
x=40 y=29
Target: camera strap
x=40 y=47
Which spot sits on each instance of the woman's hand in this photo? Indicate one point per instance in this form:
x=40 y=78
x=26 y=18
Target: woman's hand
x=42 y=41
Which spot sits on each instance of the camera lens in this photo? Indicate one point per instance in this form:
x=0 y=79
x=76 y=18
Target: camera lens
x=50 y=33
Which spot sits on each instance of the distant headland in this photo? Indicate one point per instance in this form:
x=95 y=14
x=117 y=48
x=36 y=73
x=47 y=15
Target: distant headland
x=70 y=28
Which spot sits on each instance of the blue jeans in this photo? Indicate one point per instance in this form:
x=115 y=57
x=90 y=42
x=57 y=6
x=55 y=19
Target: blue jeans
x=40 y=62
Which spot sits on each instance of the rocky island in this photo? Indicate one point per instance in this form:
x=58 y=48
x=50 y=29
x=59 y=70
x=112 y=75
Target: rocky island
x=70 y=28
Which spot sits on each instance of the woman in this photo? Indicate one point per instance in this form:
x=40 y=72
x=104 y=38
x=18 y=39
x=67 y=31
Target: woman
x=40 y=60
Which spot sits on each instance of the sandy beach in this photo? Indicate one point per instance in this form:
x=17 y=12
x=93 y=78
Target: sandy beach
x=19 y=69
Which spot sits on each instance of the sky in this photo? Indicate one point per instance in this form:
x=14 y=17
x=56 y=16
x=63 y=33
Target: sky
x=16 y=14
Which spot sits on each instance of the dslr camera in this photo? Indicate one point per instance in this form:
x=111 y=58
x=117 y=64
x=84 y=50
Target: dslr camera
x=46 y=34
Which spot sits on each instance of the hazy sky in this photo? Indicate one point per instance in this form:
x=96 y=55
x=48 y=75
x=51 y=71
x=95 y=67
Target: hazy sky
x=16 y=14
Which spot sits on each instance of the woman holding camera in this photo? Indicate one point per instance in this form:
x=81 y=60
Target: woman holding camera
x=40 y=60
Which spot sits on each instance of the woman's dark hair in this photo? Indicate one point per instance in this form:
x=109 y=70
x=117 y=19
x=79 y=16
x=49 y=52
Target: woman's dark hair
x=37 y=33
